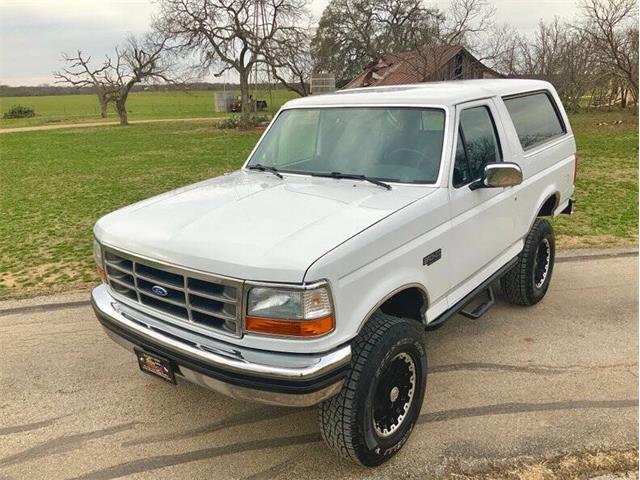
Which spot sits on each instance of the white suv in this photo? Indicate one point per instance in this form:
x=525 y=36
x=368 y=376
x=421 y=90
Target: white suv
x=360 y=219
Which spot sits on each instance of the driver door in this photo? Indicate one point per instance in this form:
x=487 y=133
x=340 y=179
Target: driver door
x=482 y=220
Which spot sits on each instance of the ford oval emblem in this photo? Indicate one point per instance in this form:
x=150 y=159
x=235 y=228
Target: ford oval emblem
x=160 y=291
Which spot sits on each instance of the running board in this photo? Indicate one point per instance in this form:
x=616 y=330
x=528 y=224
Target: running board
x=459 y=306
x=481 y=308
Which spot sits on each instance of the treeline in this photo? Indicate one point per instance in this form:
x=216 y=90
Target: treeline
x=594 y=55
x=41 y=90
x=591 y=61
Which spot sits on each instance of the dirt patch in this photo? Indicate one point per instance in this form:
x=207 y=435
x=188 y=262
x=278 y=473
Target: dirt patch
x=53 y=289
x=594 y=241
x=46 y=278
x=573 y=466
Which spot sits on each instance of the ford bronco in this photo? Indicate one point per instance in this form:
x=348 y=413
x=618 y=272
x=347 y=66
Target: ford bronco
x=359 y=220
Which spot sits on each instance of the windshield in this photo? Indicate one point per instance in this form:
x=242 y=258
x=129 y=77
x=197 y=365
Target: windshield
x=395 y=144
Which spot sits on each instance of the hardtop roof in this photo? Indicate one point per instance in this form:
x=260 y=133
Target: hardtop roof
x=432 y=93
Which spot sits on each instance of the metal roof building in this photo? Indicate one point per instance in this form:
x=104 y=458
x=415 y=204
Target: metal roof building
x=431 y=64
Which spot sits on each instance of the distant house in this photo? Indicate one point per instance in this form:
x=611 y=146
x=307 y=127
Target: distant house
x=430 y=64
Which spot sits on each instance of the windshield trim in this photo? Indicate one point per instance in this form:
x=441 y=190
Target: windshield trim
x=445 y=136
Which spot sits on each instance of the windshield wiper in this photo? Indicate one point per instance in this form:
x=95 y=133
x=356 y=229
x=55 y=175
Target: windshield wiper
x=353 y=176
x=265 y=168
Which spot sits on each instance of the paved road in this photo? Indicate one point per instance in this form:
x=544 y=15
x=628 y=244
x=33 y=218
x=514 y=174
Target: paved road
x=557 y=377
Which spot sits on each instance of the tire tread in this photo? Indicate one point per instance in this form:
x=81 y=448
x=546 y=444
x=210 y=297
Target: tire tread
x=336 y=414
x=515 y=283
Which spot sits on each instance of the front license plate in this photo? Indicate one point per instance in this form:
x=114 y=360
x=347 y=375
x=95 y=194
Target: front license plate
x=154 y=365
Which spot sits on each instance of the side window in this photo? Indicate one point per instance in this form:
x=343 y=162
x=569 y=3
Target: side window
x=478 y=145
x=535 y=117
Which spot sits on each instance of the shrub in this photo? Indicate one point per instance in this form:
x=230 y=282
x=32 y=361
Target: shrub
x=227 y=123
x=20 y=111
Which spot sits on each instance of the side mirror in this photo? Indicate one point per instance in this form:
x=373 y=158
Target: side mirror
x=499 y=175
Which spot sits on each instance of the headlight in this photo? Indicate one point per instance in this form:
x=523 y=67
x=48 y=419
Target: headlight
x=97 y=256
x=293 y=312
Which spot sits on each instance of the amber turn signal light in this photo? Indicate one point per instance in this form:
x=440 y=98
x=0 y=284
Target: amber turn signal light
x=293 y=328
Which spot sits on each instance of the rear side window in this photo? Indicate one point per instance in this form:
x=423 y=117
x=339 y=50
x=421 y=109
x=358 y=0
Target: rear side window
x=535 y=117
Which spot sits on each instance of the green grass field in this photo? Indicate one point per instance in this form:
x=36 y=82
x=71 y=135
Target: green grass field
x=55 y=184
x=141 y=106
x=606 y=211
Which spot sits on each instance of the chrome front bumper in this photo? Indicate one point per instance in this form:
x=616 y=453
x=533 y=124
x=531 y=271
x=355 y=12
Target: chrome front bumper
x=275 y=378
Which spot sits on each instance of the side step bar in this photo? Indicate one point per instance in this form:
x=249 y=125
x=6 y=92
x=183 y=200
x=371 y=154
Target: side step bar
x=482 y=308
x=483 y=287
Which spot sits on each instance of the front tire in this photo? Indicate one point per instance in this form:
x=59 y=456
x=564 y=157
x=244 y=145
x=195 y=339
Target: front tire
x=374 y=413
x=528 y=281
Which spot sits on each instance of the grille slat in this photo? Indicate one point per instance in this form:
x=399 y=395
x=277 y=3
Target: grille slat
x=188 y=297
x=218 y=314
x=123 y=284
x=154 y=274
x=158 y=282
x=217 y=298
x=115 y=266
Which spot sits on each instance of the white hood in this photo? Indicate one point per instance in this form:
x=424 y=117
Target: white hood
x=252 y=225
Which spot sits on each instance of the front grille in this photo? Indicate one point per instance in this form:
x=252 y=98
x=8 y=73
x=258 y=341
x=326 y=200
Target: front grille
x=198 y=299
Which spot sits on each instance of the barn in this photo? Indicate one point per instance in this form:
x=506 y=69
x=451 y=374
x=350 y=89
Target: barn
x=431 y=64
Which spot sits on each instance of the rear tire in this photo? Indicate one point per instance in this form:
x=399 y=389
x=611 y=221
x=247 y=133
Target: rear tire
x=373 y=415
x=528 y=281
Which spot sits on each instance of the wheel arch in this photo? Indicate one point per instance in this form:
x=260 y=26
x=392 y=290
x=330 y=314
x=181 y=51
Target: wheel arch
x=547 y=203
x=549 y=206
x=410 y=300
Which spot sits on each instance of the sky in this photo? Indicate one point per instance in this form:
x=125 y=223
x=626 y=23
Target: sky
x=34 y=33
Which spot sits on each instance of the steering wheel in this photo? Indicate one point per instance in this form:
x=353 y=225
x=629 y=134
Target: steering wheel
x=418 y=156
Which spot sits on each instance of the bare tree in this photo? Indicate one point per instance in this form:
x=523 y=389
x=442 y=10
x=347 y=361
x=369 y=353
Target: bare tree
x=465 y=21
x=228 y=35
x=556 y=52
x=612 y=28
x=78 y=73
x=289 y=60
x=499 y=48
x=541 y=55
x=137 y=61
